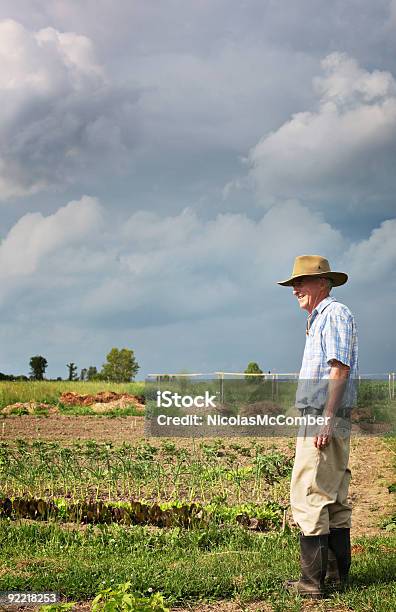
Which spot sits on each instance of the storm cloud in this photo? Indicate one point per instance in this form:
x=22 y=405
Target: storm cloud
x=161 y=165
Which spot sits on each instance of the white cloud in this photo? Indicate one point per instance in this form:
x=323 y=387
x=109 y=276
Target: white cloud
x=345 y=83
x=173 y=267
x=42 y=62
x=342 y=154
x=373 y=261
x=35 y=238
x=81 y=269
x=60 y=117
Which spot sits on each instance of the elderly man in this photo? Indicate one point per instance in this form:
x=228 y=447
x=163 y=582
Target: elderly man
x=320 y=477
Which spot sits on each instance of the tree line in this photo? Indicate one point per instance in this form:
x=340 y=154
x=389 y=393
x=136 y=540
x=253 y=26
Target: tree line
x=120 y=366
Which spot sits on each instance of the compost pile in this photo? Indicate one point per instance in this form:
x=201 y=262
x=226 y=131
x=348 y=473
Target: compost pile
x=71 y=398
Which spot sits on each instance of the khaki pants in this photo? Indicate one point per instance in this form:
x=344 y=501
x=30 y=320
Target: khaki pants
x=319 y=485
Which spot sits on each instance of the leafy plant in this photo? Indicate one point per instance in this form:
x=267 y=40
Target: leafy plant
x=120 y=599
x=390 y=523
x=60 y=607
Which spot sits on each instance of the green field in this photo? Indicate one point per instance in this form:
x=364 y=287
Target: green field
x=195 y=520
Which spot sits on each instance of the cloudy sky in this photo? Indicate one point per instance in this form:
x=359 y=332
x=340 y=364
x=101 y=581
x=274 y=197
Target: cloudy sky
x=163 y=162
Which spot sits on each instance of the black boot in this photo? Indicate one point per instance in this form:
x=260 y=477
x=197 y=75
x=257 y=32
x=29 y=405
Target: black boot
x=313 y=553
x=332 y=577
x=340 y=545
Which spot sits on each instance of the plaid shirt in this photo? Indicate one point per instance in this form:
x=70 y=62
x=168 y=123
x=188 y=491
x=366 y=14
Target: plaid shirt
x=332 y=335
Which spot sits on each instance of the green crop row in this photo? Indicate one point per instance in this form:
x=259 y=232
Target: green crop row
x=261 y=517
x=204 y=473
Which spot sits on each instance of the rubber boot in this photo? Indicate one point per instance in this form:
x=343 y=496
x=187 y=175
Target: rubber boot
x=340 y=546
x=313 y=558
x=332 y=577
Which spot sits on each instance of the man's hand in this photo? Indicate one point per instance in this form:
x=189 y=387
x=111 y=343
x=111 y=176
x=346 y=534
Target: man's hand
x=337 y=378
x=322 y=439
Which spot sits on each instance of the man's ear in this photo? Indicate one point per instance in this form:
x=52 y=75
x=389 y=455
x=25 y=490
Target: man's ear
x=326 y=284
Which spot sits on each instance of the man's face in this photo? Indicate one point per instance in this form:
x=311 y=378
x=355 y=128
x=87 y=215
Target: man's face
x=309 y=291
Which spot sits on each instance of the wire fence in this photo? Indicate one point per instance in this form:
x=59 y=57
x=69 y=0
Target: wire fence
x=274 y=377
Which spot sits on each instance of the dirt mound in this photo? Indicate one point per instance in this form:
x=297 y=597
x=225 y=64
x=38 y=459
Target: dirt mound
x=110 y=398
x=29 y=408
x=364 y=415
x=100 y=407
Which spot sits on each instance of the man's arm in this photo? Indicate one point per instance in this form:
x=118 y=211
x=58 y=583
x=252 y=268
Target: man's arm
x=338 y=376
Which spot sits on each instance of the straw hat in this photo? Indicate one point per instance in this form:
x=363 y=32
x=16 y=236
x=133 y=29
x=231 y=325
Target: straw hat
x=314 y=265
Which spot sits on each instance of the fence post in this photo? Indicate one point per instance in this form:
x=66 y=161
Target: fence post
x=221 y=378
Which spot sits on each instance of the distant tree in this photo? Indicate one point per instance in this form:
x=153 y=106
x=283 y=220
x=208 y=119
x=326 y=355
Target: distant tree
x=72 y=371
x=83 y=374
x=121 y=365
x=92 y=373
x=6 y=376
x=38 y=365
x=253 y=368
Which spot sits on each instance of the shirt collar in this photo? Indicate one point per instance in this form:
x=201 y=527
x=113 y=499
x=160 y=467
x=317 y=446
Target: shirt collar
x=323 y=304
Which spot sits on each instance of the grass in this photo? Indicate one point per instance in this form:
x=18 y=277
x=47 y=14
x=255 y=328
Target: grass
x=43 y=410
x=77 y=410
x=49 y=391
x=184 y=565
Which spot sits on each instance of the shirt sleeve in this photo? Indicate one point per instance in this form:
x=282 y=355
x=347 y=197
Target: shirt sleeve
x=337 y=338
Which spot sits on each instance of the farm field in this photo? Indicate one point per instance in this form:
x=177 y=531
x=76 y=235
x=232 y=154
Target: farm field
x=204 y=522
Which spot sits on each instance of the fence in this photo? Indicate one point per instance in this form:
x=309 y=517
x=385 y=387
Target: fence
x=274 y=377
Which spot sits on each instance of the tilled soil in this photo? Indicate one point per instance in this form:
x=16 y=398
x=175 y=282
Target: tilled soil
x=66 y=428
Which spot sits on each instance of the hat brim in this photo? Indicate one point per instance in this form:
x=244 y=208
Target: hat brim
x=337 y=278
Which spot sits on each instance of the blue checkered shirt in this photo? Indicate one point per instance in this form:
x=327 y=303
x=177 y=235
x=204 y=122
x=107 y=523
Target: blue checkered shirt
x=332 y=335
